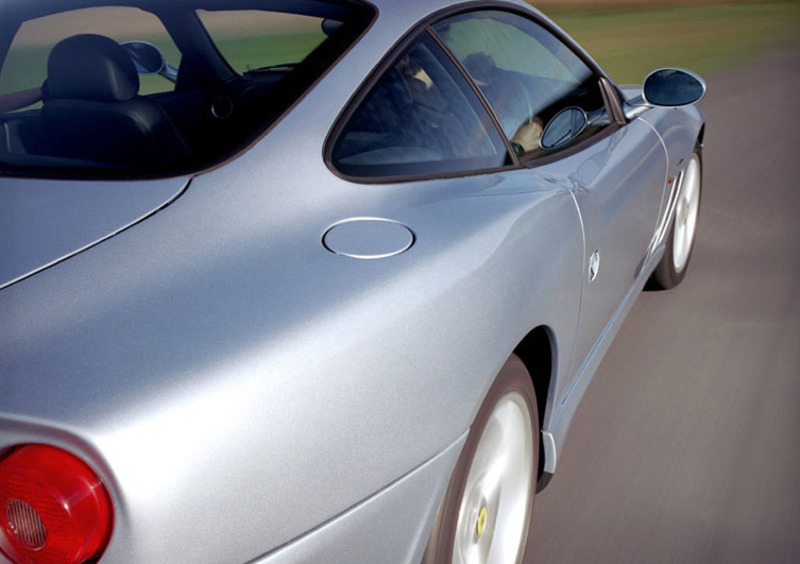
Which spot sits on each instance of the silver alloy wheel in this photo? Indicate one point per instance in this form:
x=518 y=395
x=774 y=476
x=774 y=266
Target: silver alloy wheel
x=494 y=513
x=686 y=215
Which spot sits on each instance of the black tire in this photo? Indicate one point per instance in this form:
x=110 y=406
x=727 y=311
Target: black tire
x=673 y=265
x=512 y=391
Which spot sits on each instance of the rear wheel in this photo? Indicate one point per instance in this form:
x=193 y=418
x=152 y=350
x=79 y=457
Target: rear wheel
x=681 y=236
x=485 y=516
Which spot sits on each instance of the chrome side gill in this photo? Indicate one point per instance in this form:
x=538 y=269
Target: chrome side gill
x=663 y=222
x=663 y=227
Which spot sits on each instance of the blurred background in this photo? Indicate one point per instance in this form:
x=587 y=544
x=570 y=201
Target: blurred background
x=686 y=446
x=629 y=38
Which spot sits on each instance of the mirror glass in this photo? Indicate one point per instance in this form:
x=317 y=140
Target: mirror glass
x=673 y=87
x=565 y=126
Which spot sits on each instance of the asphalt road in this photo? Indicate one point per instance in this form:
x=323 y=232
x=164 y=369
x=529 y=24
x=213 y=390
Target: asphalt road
x=686 y=447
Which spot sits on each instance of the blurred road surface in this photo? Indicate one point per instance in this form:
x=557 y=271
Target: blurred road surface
x=686 y=447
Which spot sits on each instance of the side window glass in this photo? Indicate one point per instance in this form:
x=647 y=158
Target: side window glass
x=420 y=117
x=542 y=93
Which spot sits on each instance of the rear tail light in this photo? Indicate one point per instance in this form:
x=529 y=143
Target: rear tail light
x=53 y=508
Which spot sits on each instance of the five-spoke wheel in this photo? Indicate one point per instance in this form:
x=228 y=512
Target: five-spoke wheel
x=485 y=516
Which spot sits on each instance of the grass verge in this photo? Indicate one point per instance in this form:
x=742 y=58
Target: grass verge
x=630 y=42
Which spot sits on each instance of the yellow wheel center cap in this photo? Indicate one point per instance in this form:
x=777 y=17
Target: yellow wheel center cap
x=481 y=525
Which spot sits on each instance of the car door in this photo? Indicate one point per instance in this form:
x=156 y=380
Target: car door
x=555 y=110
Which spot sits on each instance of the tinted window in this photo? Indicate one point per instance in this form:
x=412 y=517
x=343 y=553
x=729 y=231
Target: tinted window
x=25 y=65
x=73 y=101
x=253 y=40
x=420 y=117
x=529 y=78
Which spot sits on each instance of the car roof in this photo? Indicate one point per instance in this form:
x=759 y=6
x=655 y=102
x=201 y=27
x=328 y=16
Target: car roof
x=404 y=10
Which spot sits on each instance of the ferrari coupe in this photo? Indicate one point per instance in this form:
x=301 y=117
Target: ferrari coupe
x=313 y=281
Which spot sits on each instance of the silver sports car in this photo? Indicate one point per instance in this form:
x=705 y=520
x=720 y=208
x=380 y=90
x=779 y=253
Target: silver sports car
x=313 y=280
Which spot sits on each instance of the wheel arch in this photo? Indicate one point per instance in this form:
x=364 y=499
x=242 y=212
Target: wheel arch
x=538 y=353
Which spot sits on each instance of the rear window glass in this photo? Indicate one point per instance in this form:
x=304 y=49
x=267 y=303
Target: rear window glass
x=106 y=91
x=25 y=65
x=253 y=40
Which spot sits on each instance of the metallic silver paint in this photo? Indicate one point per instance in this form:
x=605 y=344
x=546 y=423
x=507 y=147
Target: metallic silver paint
x=368 y=238
x=240 y=388
x=401 y=516
x=43 y=222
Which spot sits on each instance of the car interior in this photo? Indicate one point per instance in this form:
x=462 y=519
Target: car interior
x=89 y=117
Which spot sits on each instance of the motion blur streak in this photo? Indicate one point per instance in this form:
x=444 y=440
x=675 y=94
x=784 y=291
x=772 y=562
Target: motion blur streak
x=687 y=445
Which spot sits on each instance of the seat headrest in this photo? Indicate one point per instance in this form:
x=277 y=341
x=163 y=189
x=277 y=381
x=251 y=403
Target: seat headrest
x=91 y=67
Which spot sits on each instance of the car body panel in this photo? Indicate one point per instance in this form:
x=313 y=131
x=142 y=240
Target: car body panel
x=197 y=389
x=85 y=213
x=241 y=389
x=391 y=526
x=618 y=191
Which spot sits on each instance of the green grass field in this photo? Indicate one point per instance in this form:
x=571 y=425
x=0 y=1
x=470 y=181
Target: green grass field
x=629 y=42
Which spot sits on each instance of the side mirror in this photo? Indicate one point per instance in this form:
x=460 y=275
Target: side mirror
x=667 y=88
x=330 y=26
x=565 y=126
x=673 y=88
x=148 y=59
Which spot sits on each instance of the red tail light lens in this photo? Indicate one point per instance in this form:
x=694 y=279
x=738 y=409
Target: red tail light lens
x=53 y=507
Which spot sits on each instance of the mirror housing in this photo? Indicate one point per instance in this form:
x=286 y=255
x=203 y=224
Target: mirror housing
x=673 y=88
x=667 y=88
x=148 y=59
x=330 y=26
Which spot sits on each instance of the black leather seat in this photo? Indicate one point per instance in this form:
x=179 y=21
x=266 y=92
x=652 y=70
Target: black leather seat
x=92 y=110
